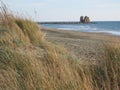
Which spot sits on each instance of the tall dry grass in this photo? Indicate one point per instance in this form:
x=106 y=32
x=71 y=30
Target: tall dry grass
x=29 y=62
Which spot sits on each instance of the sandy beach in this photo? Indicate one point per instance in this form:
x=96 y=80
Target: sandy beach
x=84 y=46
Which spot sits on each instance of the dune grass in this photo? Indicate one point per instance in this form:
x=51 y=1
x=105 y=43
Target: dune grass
x=29 y=62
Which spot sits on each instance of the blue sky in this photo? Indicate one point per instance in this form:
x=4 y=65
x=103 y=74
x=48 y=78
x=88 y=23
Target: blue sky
x=67 y=10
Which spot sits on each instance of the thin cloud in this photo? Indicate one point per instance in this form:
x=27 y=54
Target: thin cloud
x=112 y=5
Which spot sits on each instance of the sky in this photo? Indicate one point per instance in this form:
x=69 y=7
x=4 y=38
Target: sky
x=66 y=10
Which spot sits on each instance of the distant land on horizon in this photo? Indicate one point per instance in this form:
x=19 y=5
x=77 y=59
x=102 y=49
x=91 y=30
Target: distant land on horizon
x=69 y=22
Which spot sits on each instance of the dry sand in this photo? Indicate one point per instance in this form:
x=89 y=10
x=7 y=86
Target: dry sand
x=84 y=46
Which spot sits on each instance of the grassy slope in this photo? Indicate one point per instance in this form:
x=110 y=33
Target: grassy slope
x=29 y=62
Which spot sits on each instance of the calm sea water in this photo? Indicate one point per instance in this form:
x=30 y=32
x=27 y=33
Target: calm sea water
x=111 y=27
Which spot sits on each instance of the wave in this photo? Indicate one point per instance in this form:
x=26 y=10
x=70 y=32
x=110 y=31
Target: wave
x=80 y=28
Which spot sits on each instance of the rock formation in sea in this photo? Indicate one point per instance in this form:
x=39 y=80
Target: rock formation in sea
x=85 y=19
x=82 y=19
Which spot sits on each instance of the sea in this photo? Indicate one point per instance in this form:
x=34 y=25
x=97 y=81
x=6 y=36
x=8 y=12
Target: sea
x=110 y=27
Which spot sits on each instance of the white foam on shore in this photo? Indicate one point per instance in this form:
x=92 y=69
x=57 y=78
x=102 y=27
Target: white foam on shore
x=110 y=32
x=96 y=30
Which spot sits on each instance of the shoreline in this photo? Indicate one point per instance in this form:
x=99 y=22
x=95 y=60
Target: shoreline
x=82 y=32
x=82 y=45
x=97 y=32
